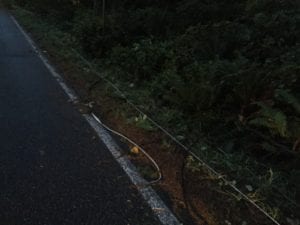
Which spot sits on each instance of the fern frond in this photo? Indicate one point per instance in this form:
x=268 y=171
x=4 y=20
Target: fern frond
x=273 y=119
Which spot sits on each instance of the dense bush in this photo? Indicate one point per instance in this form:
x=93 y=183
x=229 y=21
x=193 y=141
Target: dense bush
x=230 y=61
x=142 y=61
x=95 y=37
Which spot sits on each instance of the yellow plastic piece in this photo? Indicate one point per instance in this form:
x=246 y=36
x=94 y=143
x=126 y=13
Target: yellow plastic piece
x=135 y=150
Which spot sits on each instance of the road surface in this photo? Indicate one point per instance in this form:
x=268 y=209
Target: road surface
x=53 y=171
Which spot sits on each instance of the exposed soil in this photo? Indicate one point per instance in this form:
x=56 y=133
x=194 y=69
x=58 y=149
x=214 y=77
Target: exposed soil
x=195 y=196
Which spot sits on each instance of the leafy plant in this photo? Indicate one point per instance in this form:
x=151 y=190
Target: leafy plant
x=273 y=119
x=142 y=61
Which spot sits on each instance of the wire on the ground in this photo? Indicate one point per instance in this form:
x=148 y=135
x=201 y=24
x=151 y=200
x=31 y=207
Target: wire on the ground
x=135 y=144
x=218 y=175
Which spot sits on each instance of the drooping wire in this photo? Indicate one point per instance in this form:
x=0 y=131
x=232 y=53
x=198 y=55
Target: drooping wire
x=217 y=174
x=135 y=144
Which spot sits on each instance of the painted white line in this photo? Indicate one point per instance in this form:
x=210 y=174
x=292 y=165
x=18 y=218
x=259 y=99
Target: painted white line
x=158 y=207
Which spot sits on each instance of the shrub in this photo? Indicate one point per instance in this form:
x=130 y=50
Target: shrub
x=96 y=38
x=142 y=61
x=214 y=41
x=145 y=22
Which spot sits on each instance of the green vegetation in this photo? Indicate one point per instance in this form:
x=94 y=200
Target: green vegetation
x=223 y=76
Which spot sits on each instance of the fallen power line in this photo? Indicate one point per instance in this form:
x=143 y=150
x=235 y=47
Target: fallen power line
x=207 y=166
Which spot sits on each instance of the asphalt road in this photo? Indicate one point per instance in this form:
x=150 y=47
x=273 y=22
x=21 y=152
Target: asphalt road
x=53 y=171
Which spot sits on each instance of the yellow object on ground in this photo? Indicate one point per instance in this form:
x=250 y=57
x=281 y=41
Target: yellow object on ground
x=135 y=150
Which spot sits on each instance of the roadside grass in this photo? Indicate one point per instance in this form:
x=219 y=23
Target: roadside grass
x=273 y=189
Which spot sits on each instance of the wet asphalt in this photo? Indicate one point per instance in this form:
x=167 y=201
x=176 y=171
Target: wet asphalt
x=53 y=169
